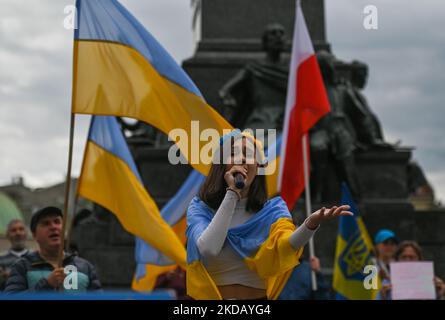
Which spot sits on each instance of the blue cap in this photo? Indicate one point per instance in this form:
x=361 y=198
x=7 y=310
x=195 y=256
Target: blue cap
x=384 y=235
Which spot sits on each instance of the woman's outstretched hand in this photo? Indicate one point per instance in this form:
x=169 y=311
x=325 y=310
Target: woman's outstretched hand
x=324 y=214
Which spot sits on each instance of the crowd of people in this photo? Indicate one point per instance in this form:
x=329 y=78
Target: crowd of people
x=22 y=270
x=26 y=271
x=242 y=238
x=389 y=249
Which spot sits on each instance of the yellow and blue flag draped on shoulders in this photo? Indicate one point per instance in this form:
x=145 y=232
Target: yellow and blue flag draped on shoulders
x=262 y=242
x=120 y=69
x=109 y=177
x=354 y=251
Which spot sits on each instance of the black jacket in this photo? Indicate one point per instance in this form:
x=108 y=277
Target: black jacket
x=30 y=273
x=6 y=261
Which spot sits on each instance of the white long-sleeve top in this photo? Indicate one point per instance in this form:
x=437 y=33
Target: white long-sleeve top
x=223 y=264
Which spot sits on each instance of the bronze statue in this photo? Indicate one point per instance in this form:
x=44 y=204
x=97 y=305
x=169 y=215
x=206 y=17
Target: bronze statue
x=367 y=127
x=334 y=135
x=143 y=132
x=256 y=96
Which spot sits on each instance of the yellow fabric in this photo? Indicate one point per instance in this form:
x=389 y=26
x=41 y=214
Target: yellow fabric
x=276 y=258
x=274 y=261
x=272 y=170
x=200 y=285
x=152 y=271
x=109 y=182
x=113 y=79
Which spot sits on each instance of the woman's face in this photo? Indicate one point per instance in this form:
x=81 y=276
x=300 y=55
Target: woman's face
x=243 y=154
x=387 y=249
x=408 y=254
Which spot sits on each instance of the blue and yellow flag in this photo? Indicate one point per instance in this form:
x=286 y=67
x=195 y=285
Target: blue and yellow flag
x=262 y=242
x=354 y=251
x=150 y=262
x=121 y=70
x=109 y=177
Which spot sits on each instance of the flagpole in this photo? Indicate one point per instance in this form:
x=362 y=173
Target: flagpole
x=76 y=199
x=67 y=191
x=60 y=255
x=70 y=229
x=307 y=193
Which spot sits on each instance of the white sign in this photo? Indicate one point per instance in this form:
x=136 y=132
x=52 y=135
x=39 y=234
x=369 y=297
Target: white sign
x=412 y=280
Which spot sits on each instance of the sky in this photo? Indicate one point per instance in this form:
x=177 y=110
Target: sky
x=406 y=58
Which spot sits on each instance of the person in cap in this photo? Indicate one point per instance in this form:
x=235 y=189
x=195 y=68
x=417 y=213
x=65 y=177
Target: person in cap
x=16 y=234
x=385 y=245
x=39 y=271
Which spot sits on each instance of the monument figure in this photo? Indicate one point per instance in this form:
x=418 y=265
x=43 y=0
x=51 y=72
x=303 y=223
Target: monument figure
x=367 y=127
x=334 y=135
x=255 y=97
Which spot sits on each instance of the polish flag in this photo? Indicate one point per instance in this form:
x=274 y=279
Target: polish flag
x=306 y=103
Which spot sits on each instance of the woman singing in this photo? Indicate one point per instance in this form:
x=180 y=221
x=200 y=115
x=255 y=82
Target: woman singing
x=240 y=244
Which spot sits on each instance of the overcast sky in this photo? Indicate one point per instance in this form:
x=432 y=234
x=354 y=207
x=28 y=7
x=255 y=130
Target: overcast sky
x=406 y=56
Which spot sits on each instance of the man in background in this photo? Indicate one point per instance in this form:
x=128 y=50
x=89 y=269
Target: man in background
x=39 y=271
x=16 y=234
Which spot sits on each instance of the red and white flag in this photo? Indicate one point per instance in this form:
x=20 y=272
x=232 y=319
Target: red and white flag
x=306 y=103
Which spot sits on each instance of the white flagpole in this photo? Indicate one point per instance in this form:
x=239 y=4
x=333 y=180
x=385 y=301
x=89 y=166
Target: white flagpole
x=307 y=192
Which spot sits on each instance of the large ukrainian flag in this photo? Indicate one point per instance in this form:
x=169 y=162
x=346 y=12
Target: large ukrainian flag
x=121 y=70
x=109 y=177
x=354 y=251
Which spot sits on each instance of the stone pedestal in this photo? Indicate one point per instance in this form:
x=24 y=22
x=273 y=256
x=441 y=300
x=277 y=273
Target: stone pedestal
x=382 y=175
x=231 y=32
x=234 y=25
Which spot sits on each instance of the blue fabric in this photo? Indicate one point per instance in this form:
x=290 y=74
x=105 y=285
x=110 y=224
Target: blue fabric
x=299 y=285
x=108 y=20
x=245 y=239
x=348 y=224
x=276 y=146
x=175 y=209
x=388 y=294
x=229 y=135
x=107 y=134
x=339 y=296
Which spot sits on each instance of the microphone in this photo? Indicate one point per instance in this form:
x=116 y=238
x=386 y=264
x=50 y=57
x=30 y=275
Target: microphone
x=239 y=181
